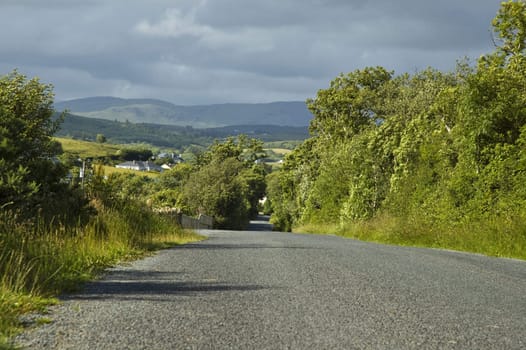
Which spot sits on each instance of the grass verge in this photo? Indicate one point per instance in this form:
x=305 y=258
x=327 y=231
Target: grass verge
x=489 y=236
x=38 y=263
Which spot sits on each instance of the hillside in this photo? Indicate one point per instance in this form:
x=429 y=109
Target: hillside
x=84 y=128
x=202 y=116
x=87 y=149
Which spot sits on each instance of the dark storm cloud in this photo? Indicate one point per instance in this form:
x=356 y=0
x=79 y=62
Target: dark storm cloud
x=191 y=51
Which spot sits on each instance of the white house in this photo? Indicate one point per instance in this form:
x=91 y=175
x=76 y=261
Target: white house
x=140 y=166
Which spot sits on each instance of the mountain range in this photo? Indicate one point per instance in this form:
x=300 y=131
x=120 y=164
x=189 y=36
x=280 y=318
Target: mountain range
x=153 y=111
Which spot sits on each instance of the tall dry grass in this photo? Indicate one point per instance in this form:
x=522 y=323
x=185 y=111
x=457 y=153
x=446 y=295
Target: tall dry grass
x=490 y=235
x=38 y=261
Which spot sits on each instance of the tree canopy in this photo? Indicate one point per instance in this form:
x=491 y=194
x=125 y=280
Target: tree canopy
x=434 y=149
x=31 y=177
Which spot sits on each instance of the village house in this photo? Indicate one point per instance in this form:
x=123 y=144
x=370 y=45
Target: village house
x=140 y=166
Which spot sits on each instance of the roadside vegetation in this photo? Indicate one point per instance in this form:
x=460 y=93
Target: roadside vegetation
x=432 y=158
x=55 y=231
x=224 y=182
x=66 y=212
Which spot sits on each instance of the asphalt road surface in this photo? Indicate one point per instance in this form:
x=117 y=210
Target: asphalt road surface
x=263 y=290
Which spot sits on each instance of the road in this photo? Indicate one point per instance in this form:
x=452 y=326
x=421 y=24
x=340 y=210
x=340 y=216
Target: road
x=264 y=290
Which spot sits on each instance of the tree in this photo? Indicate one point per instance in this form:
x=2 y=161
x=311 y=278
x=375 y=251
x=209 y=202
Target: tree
x=217 y=190
x=101 y=138
x=368 y=131
x=491 y=120
x=241 y=148
x=142 y=154
x=31 y=176
x=510 y=26
x=289 y=188
x=281 y=196
x=224 y=182
x=253 y=180
x=351 y=103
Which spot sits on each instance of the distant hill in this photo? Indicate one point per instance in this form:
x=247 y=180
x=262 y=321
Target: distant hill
x=84 y=128
x=265 y=133
x=204 y=116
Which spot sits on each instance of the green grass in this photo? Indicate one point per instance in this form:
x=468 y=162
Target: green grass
x=38 y=263
x=108 y=170
x=289 y=145
x=489 y=236
x=87 y=149
x=280 y=151
x=12 y=306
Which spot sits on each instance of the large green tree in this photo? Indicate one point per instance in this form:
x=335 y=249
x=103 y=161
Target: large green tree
x=217 y=190
x=491 y=122
x=224 y=182
x=431 y=147
x=352 y=103
x=31 y=176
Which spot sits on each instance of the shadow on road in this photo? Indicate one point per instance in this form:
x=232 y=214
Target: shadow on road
x=130 y=284
x=211 y=246
x=141 y=285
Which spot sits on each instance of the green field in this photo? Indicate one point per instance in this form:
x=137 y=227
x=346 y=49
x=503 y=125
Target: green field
x=108 y=170
x=87 y=149
x=281 y=151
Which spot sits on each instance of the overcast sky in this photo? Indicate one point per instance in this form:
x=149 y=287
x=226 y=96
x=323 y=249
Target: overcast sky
x=216 y=51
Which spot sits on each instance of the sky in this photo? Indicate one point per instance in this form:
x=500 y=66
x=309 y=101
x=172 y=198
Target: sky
x=192 y=52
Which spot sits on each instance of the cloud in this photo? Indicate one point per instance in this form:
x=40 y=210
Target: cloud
x=176 y=24
x=189 y=51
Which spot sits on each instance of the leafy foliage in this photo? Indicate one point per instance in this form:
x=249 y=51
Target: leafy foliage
x=55 y=233
x=439 y=152
x=225 y=182
x=129 y=154
x=31 y=176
